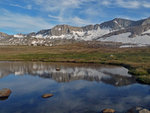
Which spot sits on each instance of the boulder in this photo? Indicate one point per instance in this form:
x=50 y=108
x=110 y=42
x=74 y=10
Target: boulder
x=108 y=111
x=57 y=69
x=4 y=93
x=47 y=95
x=138 y=110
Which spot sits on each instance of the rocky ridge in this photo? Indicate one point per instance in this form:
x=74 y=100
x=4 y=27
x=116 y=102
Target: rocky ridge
x=104 y=32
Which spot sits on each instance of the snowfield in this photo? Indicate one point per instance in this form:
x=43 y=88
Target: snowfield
x=148 y=31
x=125 y=39
x=79 y=35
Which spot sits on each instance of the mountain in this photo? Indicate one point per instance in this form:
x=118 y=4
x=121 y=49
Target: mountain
x=127 y=32
x=117 y=24
x=109 y=26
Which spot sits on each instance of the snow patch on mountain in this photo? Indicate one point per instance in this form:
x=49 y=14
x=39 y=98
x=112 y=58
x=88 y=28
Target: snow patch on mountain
x=132 y=46
x=19 y=36
x=79 y=35
x=125 y=39
x=146 y=32
x=93 y=34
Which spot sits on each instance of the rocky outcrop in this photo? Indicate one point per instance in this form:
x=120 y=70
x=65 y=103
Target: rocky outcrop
x=117 y=24
x=64 y=29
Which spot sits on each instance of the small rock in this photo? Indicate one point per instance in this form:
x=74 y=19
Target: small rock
x=57 y=69
x=108 y=111
x=138 y=110
x=4 y=93
x=47 y=95
x=144 y=111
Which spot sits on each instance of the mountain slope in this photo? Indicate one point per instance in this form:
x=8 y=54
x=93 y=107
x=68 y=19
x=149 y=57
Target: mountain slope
x=116 y=30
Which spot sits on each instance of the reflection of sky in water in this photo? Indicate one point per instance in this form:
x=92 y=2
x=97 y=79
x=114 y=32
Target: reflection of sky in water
x=79 y=96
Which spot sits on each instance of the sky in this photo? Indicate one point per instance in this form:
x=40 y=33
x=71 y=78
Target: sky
x=25 y=16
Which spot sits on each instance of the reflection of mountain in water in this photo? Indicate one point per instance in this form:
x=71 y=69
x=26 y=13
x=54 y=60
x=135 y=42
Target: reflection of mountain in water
x=117 y=76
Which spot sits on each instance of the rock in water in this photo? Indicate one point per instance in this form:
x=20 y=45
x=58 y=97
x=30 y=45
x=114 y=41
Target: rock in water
x=108 y=111
x=57 y=69
x=4 y=93
x=144 y=111
x=138 y=110
x=47 y=95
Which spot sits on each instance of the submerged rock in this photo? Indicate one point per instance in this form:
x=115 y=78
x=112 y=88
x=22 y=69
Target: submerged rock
x=4 y=93
x=47 y=95
x=108 y=111
x=138 y=110
x=57 y=69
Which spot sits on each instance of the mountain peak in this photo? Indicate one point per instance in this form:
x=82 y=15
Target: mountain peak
x=123 y=19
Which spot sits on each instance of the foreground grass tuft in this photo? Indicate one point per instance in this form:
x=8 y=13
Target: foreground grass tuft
x=144 y=79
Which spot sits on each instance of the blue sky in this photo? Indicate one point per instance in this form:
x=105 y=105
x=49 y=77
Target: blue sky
x=24 y=16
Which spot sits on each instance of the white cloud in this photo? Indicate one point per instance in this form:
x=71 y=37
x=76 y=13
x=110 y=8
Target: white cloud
x=78 y=21
x=29 y=7
x=106 y=2
x=146 y=4
x=135 y=4
x=129 y=4
x=51 y=5
x=91 y=12
x=55 y=18
x=22 y=22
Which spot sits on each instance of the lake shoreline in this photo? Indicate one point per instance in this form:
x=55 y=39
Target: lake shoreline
x=97 y=63
x=136 y=60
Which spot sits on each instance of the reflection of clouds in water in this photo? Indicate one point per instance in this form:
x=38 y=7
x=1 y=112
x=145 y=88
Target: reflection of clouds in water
x=77 y=96
x=88 y=99
x=69 y=97
x=25 y=84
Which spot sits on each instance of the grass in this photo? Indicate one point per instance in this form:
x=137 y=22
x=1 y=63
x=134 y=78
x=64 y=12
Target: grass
x=137 y=60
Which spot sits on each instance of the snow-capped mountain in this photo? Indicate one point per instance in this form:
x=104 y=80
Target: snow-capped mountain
x=116 y=30
x=88 y=32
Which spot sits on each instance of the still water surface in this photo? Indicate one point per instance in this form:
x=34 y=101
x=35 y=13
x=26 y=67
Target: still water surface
x=77 y=88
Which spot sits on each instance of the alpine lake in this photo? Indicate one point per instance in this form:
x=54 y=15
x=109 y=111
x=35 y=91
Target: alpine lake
x=76 y=88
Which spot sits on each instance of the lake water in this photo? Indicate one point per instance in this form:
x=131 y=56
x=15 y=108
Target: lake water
x=77 y=88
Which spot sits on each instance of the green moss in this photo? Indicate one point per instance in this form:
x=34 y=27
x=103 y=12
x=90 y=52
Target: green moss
x=144 y=79
x=138 y=71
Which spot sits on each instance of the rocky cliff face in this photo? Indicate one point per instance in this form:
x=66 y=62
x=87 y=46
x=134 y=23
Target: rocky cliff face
x=64 y=29
x=117 y=24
